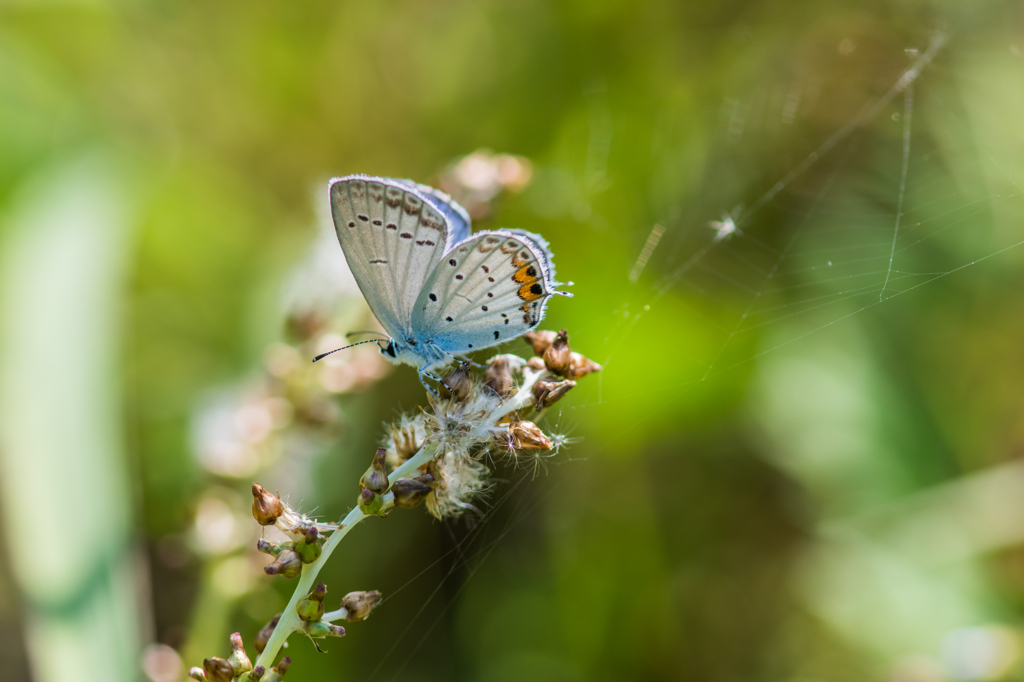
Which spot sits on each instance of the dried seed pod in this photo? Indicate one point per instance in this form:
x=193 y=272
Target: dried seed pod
x=376 y=477
x=498 y=376
x=238 y=659
x=526 y=436
x=266 y=508
x=558 y=356
x=547 y=393
x=406 y=443
x=311 y=607
x=582 y=366
x=263 y=636
x=309 y=547
x=218 y=670
x=272 y=547
x=197 y=674
x=287 y=564
x=540 y=340
x=278 y=671
x=359 y=604
x=536 y=364
x=457 y=384
x=409 y=492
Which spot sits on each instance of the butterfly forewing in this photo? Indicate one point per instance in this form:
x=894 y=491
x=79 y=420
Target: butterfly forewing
x=392 y=238
x=489 y=288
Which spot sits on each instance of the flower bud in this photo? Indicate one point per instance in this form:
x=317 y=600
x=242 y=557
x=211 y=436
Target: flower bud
x=547 y=393
x=197 y=674
x=558 y=357
x=526 y=436
x=272 y=547
x=372 y=503
x=309 y=547
x=266 y=508
x=218 y=670
x=319 y=628
x=263 y=636
x=288 y=564
x=498 y=376
x=376 y=477
x=582 y=366
x=239 y=661
x=359 y=604
x=255 y=675
x=278 y=671
x=536 y=364
x=457 y=382
x=540 y=340
x=311 y=607
x=409 y=492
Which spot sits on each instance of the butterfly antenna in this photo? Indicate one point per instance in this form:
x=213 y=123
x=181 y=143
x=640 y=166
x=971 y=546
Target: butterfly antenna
x=324 y=355
x=366 y=332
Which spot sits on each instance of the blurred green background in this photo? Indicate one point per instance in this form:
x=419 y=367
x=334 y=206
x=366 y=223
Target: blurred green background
x=778 y=476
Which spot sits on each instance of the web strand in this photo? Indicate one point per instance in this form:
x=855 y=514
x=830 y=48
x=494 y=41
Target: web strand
x=908 y=110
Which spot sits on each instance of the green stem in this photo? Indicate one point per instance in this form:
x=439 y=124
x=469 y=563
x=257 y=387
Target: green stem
x=290 y=621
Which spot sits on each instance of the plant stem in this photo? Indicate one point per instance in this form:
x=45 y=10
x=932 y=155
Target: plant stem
x=290 y=621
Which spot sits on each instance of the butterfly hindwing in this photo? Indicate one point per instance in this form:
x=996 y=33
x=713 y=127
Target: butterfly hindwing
x=459 y=225
x=487 y=289
x=392 y=237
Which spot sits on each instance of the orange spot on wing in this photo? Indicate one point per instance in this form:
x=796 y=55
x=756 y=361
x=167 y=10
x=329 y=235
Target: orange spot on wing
x=527 y=292
x=523 y=276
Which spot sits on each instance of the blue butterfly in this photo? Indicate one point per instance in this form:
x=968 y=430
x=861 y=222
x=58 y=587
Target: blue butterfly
x=438 y=290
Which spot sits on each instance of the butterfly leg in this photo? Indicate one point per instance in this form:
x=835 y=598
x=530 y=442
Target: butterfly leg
x=434 y=377
x=466 y=361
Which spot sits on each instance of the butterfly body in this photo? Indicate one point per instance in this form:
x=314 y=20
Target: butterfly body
x=437 y=289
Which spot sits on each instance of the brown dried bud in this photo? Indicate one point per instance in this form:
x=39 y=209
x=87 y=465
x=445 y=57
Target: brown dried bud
x=457 y=382
x=526 y=436
x=582 y=366
x=359 y=604
x=311 y=607
x=238 y=659
x=409 y=492
x=498 y=377
x=278 y=671
x=540 y=340
x=547 y=393
x=288 y=564
x=558 y=357
x=218 y=670
x=263 y=636
x=376 y=477
x=266 y=508
x=536 y=364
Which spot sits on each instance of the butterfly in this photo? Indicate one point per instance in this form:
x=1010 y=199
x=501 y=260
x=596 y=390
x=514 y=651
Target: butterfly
x=439 y=290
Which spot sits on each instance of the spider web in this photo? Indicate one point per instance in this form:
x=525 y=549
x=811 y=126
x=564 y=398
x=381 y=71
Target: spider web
x=867 y=218
x=848 y=245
